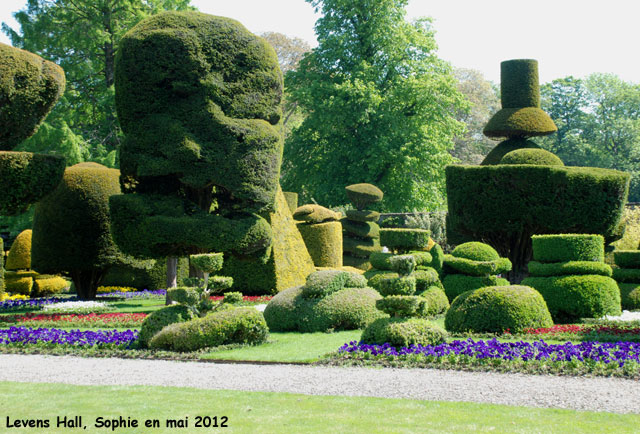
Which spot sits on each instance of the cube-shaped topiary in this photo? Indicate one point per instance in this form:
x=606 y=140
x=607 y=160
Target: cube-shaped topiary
x=568 y=247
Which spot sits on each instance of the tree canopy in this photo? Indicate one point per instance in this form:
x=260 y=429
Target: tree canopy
x=380 y=108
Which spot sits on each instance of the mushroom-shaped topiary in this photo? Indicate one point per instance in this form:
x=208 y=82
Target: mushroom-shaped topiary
x=363 y=194
x=538 y=157
x=496 y=309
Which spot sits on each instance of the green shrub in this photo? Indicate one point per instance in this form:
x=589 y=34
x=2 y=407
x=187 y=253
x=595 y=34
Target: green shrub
x=543 y=269
x=437 y=301
x=324 y=242
x=363 y=194
x=533 y=199
x=630 y=295
x=315 y=214
x=503 y=148
x=324 y=282
x=19 y=257
x=186 y=296
x=456 y=284
x=403 y=332
x=45 y=285
x=627 y=275
x=161 y=318
x=232 y=326
x=144 y=274
x=519 y=83
x=349 y=308
x=476 y=268
x=233 y=297
x=403 y=264
x=402 y=305
x=403 y=285
x=280 y=312
x=496 y=309
x=362 y=215
x=403 y=240
x=426 y=277
x=355 y=280
x=437 y=255
x=29 y=88
x=475 y=251
x=207 y=262
x=538 y=157
x=627 y=258
x=71 y=227
x=380 y=260
x=356 y=262
x=19 y=284
x=568 y=247
x=519 y=122
x=422 y=258
x=361 y=229
x=292 y=200
x=572 y=297
x=360 y=247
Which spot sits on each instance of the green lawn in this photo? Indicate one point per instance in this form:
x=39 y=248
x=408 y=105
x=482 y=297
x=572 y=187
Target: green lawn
x=283 y=412
x=289 y=347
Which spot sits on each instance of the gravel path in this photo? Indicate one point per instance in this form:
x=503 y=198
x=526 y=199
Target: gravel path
x=595 y=394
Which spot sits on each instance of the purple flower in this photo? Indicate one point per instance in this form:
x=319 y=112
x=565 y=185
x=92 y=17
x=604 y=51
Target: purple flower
x=28 y=335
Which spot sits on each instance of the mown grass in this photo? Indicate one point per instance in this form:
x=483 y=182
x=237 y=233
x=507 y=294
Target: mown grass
x=284 y=412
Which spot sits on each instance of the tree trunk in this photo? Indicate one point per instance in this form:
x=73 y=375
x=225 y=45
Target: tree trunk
x=172 y=275
x=520 y=254
x=87 y=282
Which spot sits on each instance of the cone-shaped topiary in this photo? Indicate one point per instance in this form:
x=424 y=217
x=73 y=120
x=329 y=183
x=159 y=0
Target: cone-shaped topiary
x=71 y=227
x=19 y=257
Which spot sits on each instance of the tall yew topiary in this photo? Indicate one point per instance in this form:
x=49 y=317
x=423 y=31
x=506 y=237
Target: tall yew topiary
x=71 y=227
x=504 y=204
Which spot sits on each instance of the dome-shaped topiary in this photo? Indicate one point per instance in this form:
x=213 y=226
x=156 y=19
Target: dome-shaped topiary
x=315 y=214
x=161 y=318
x=363 y=194
x=503 y=148
x=403 y=332
x=19 y=257
x=538 y=157
x=519 y=122
x=475 y=251
x=496 y=309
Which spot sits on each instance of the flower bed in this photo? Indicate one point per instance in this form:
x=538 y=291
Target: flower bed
x=247 y=299
x=145 y=293
x=19 y=336
x=80 y=307
x=601 y=358
x=592 y=332
x=75 y=320
x=8 y=305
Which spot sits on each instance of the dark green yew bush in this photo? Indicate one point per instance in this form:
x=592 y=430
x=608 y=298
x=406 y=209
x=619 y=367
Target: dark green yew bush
x=568 y=247
x=403 y=332
x=627 y=258
x=437 y=301
x=496 y=309
x=570 y=298
x=403 y=305
x=538 y=157
x=456 y=284
x=161 y=318
x=231 y=326
x=402 y=285
x=403 y=240
x=542 y=269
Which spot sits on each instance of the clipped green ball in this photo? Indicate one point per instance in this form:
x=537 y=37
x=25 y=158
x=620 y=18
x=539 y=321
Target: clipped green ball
x=476 y=251
x=503 y=148
x=538 y=157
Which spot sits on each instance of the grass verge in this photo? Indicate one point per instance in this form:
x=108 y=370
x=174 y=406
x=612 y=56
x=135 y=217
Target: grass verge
x=283 y=412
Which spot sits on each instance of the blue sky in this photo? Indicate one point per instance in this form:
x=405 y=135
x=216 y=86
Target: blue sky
x=568 y=37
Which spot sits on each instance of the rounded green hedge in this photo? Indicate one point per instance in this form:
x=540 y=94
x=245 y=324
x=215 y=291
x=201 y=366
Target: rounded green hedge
x=403 y=332
x=545 y=269
x=540 y=157
x=437 y=301
x=503 y=148
x=568 y=247
x=403 y=305
x=404 y=239
x=324 y=242
x=496 y=309
x=573 y=297
x=627 y=258
x=349 y=308
x=357 y=215
x=363 y=194
x=402 y=285
x=456 y=284
x=161 y=318
x=324 y=282
x=630 y=295
x=476 y=268
x=243 y=325
x=475 y=251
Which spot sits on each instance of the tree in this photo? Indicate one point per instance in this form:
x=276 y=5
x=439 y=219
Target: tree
x=380 y=108
x=82 y=36
x=473 y=146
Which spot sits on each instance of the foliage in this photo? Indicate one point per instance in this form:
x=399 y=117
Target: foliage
x=232 y=298
x=324 y=242
x=161 y=318
x=85 y=119
x=496 y=309
x=456 y=284
x=71 y=228
x=363 y=194
x=402 y=305
x=403 y=332
x=627 y=258
x=243 y=325
x=568 y=247
x=437 y=301
x=539 y=157
x=370 y=89
x=313 y=213
x=568 y=267
x=475 y=251
x=19 y=257
x=503 y=148
x=404 y=239
x=470 y=267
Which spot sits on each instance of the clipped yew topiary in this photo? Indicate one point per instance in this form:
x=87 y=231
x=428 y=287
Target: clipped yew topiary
x=1 y=267
x=361 y=235
x=582 y=294
x=497 y=309
x=144 y=274
x=473 y=265
x=161 y=318
x=19 y=257
x=71 y=228
x=199 y=101
x=330 y=300
x=322 y=234
x=504 y=204
x=627 y=274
